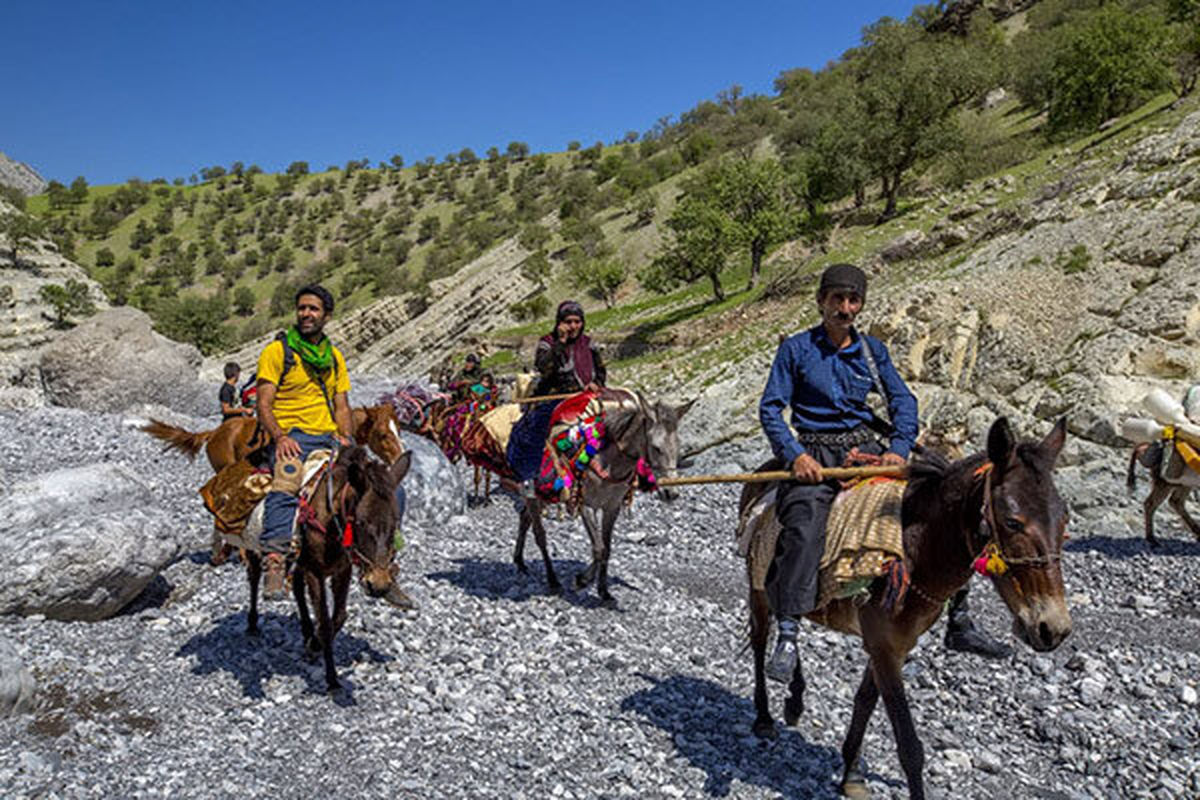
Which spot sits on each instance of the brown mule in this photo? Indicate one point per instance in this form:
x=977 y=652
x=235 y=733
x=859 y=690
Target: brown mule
x=363 y=493
x=237 y=438
x=1005 y=499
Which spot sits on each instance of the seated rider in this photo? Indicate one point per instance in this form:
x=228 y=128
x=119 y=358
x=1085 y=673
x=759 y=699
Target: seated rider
x=566 y=363
x=823 y=375
x=303 y=409
x=231 y=407
x=468 y=376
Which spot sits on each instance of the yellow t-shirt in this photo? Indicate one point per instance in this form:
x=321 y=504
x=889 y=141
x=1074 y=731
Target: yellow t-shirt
x=298 y=400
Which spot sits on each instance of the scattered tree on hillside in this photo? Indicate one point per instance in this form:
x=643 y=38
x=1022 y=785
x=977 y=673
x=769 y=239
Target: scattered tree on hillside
x=196 y=320
x=517 y=150
x=71 y=300
x=600 y=277
x=694 y=250
x=22 y=231
x=755 y=197
x=243 y=301
x=1108 y=64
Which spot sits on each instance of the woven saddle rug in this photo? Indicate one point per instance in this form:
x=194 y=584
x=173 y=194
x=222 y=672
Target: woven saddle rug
x=236 y=496
x=863 y=535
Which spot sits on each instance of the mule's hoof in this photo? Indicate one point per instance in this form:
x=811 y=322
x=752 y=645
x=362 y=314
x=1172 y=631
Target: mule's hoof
x=312 y=647
x=521 y=568
x=765 y=729
x=608 y=602
x=856 y=790
x=792 y=713
x=332 y=685
x=252 y=630
x=580 y=582
x=1153 y=542
x=554 y=587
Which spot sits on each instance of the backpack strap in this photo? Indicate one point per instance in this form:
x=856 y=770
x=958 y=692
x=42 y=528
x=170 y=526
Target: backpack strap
x=289 y=361
x=873 y=368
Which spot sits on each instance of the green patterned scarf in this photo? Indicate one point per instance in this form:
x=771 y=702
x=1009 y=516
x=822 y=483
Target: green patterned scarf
x=318 y=356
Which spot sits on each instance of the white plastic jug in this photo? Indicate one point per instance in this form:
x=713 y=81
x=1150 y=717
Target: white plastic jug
x=1164 y=408
x=1138 y=430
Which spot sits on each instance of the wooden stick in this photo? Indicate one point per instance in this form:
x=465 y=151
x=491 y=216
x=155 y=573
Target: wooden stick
x=827 y=473
x=544 y=398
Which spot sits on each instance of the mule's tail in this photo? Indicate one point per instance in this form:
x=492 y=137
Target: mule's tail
x=1131 y=473
x=179 y=439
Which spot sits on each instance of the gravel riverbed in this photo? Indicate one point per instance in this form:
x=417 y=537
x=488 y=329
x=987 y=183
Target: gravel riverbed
x=495 y=689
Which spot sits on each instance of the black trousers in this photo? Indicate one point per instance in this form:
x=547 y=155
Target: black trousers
x=803 y=510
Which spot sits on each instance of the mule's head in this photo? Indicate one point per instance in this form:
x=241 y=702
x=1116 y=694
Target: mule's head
x=376 y=428
x=1027 y=520
x=375 y=516
x=651 y=432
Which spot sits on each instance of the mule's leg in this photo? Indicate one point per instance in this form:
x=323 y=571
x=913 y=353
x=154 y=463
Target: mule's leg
x=316 y=589
x=760 y=619
x=524 y=521
x=793 y=707
x=1178 y=501
x=253 y=573
x=886 y=670
x=339 y=587
x=854 y=783
x=588 y=515
x=1159 y=489
x=487 y=486
x=607 y=523
x=476 y=482
x=299 y=586
x=539 y=536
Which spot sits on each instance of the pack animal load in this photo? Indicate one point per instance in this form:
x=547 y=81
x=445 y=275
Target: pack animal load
x=1173 y=439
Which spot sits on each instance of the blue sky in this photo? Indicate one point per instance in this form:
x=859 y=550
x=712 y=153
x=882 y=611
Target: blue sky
x=112 y=89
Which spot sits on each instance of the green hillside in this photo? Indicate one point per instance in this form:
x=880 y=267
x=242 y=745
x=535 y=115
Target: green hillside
x=663 y=227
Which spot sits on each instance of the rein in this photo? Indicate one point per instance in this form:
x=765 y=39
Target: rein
x=341 y=518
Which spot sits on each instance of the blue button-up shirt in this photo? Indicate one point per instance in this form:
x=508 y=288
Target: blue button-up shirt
x=826 y=389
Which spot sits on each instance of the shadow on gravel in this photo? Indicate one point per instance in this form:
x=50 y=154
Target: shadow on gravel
x=277 y=650
x=711 y=729
x=494 y=580
x=1124 y=547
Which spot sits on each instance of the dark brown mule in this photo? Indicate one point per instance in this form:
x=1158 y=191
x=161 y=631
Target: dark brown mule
x=356 y=491
x=633 y=429
x=234 y=439
x=950 y=512
x=1178 y=488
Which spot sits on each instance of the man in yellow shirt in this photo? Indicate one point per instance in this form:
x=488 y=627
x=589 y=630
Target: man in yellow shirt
x=302 y=403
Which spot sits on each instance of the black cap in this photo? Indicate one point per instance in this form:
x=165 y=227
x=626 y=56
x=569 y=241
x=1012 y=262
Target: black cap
x=843 y=276
x=472 y=358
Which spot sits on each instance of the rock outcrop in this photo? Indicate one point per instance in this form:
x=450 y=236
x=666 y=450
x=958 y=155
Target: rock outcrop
x=81 y=542
x=17 y=686
x=433 y=486
x=27 y=322
x=115 y=361
x=21 y=176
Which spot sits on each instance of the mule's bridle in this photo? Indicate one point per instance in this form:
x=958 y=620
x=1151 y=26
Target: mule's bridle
x=995 y=560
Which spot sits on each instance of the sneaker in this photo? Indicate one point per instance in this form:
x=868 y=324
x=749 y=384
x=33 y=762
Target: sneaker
x=782 y=664
x=275 y=572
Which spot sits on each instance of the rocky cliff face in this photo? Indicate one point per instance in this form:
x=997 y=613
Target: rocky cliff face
x=26 y=321
x=21 y=176
x=1071 y=296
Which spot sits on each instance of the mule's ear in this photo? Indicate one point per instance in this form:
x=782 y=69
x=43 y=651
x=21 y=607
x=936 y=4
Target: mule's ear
x=680 y=410
x=1000 y=443
x=1053 y=443
x=356 y=467
x=361 y=420
x=399 y=468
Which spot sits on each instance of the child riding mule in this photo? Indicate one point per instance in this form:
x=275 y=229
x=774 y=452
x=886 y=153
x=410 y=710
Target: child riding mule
x=635 y=430
x=1004 y=505
x=351 y=517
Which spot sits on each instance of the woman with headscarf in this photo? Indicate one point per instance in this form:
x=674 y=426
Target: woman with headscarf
x=566 y=362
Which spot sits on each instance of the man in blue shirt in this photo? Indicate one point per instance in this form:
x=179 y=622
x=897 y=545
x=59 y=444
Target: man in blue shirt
x=823 y=375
